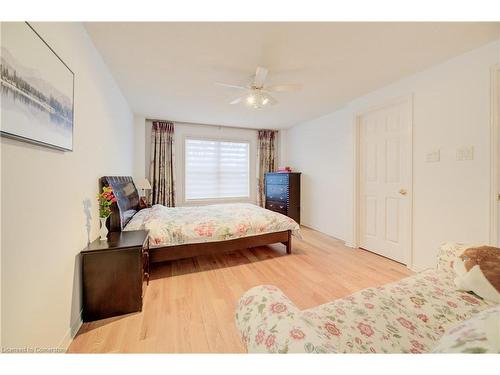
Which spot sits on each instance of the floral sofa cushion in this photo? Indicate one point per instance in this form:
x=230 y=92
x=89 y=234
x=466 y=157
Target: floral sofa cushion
x=432 y=298
x=408 y=316
x=271 y=323
x=479 y=334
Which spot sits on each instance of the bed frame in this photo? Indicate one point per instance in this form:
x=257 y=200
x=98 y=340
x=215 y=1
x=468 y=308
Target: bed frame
x=128 y=204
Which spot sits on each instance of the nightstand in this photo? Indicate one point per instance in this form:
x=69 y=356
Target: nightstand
x=115 y=274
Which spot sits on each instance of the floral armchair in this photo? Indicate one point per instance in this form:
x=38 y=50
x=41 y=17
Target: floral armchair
x=408 y=316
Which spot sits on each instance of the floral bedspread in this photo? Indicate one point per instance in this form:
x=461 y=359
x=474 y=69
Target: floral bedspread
x=169 y=226
x=408 y=316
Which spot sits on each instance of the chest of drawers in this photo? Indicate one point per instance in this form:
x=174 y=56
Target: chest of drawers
x=283 y=194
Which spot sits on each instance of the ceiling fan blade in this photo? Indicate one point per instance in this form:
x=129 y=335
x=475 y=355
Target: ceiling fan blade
x=231 y=86
x=236 y=101
x=260 y=76
x=284 y=88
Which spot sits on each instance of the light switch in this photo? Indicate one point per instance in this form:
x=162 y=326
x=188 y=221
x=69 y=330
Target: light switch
x=433 y=156
x=465 y=153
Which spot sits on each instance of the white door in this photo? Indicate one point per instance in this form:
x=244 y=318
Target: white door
x=385 y=165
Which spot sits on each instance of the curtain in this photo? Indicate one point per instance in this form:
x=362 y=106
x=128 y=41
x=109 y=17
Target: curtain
x=162 y=163
x=266 y=155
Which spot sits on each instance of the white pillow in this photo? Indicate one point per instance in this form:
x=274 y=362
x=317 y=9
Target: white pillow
x=474 y=281
x=479 y=334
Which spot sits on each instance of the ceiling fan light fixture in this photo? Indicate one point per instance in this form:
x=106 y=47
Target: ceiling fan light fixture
x=251 y=100
x=257 y=99
x=258 y=93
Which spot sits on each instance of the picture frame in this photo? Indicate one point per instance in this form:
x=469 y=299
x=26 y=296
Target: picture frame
x=37 y=89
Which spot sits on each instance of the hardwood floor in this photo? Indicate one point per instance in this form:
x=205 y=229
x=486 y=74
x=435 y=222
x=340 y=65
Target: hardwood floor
x=189 y=304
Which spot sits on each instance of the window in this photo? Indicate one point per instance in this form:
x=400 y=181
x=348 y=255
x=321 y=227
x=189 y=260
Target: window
x=216 y=169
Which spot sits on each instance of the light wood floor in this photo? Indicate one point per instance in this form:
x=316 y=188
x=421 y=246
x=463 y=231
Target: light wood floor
x=189 y=304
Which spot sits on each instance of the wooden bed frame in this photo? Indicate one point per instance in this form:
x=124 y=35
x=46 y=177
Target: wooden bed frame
x=128 y=204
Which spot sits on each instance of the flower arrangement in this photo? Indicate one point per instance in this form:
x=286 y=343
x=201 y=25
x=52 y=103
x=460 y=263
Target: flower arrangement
x=105 y=199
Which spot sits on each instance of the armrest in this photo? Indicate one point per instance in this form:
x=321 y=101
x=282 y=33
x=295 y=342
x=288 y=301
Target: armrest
x=269 y=322
x=447 y=254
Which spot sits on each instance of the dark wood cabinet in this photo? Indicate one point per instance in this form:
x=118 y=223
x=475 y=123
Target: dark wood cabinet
x=283 y=193
x=115 y=274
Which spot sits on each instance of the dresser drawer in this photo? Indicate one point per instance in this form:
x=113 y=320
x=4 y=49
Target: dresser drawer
x=280 y=207
x=277 y=193
x=277 y=179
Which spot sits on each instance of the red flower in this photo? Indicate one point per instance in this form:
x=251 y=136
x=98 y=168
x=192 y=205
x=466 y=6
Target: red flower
x=278 y=307
x=469 y=299
x=297 y=334
x=259 y=337
x=205 y=229
x=431 y=279
x=242 y=228
x=406 y=323
x=417 y=345
x=365 y=329
x=331 y=328
x=248 y=300
x=415 y=351
x=244 y=338
x=369 y=305
x=423 y=317
x=271 y=339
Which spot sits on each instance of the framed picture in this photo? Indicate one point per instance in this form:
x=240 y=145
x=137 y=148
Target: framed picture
x=37 y=89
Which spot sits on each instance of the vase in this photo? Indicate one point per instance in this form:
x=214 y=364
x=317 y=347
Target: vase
x=103 y=232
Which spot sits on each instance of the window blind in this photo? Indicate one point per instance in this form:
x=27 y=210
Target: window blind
x=216 y=169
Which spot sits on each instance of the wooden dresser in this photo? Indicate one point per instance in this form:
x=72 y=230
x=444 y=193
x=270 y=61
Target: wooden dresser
x=283 y=194
x=115 y=274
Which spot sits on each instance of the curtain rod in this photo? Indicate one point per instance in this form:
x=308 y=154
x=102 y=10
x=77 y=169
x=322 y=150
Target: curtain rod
x=218 y=126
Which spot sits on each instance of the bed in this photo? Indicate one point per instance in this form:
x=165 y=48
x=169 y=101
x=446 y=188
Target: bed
x=184 y=232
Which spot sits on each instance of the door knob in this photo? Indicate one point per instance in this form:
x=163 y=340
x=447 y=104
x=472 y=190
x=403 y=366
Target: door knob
x=402 y=191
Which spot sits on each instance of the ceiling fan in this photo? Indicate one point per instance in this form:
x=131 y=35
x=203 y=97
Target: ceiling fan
x=257 y=94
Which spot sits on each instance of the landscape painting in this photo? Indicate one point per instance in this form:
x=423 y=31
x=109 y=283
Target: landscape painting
x=37 y=89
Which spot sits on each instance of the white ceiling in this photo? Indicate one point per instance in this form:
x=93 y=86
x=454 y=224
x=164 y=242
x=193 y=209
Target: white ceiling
x=168 y=70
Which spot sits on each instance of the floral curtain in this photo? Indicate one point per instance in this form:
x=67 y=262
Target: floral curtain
x=162 y=163
x=266 y=155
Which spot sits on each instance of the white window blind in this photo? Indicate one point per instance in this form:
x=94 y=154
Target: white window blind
x=216 y=169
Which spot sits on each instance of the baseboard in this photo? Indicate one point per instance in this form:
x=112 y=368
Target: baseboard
x=415 y=269
x=307 y=225
x=71 y=333
x=350 y=244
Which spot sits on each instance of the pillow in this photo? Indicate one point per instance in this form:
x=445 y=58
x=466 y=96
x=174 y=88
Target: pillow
x=479 y=334
x=478 y=270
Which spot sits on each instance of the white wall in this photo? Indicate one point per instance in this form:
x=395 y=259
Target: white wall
x=451 y=198
x=183 y=130
x=322 y=151
x=43 y=197
x=141 y=158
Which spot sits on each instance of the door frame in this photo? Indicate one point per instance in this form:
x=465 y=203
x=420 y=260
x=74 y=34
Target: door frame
x=494 y=152
x=407 y=99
